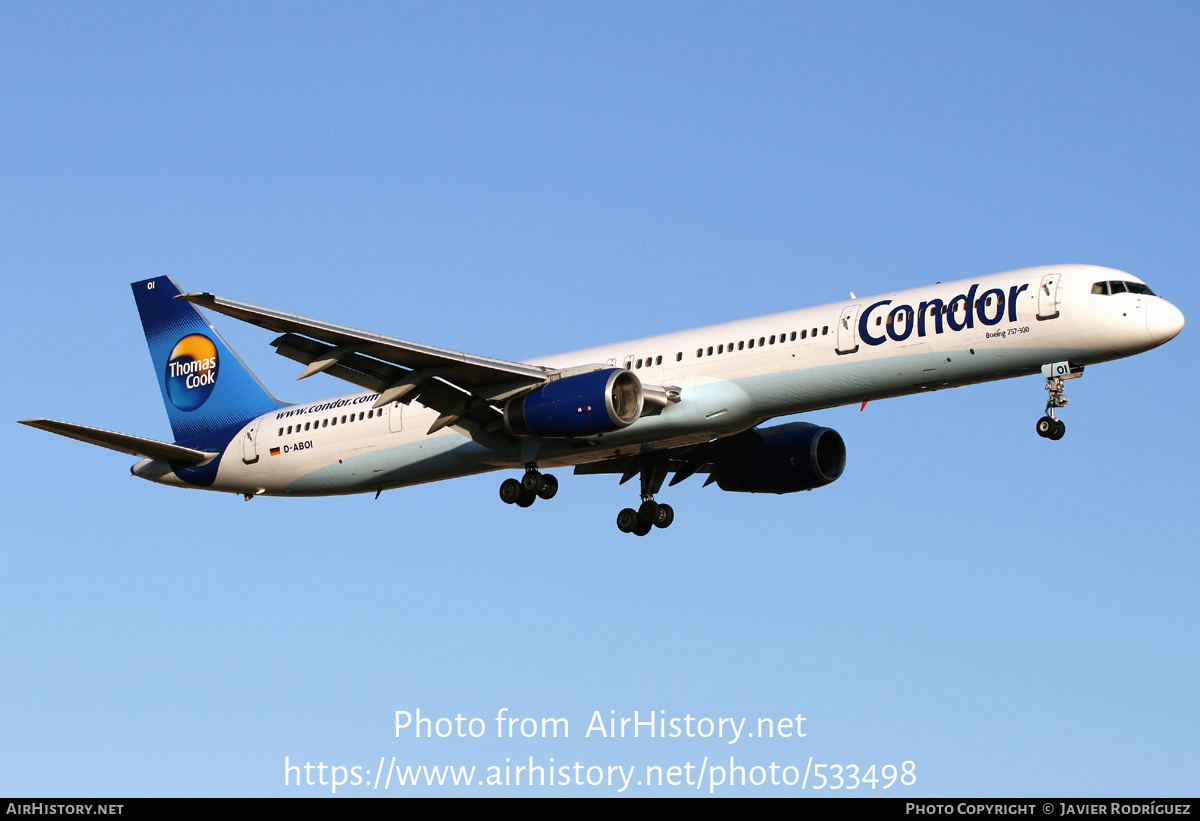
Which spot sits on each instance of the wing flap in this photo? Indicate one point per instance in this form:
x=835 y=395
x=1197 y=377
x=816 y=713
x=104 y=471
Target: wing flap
x=124 y=442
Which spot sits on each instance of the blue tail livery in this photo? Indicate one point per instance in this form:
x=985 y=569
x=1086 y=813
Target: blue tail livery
x=205 y=387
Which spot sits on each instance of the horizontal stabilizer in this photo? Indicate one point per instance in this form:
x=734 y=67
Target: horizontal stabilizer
x=123 y=442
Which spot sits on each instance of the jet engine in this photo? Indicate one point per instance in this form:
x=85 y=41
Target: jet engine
x=782 y=459
x=581 y=405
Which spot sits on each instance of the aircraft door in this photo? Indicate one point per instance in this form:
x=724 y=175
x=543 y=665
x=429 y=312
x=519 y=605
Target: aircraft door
x=250 y=445
x=396 y=417
x=1048 y=297
x=847 y=330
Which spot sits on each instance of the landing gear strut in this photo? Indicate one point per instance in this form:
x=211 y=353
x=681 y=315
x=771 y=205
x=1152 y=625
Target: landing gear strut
x=650 y=514
x=1050 y=426
x=529 y=488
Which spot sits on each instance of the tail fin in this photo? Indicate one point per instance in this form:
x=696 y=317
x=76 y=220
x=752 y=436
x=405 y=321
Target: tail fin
x=204 y=385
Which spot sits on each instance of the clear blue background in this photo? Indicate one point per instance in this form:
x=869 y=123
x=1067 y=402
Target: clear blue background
x=1016 y=616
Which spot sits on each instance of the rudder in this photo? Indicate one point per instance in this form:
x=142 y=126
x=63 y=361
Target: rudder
x=205 y=386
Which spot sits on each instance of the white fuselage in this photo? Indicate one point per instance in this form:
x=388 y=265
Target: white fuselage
x=731 y=377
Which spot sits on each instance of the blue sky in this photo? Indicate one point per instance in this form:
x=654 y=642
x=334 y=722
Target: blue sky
x=1015 y=616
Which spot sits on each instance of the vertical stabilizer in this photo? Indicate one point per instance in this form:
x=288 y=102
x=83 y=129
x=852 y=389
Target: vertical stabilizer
x=204 y=385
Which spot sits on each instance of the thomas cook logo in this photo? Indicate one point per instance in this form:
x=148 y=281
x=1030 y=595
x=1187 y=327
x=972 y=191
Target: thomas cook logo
x=191 y=371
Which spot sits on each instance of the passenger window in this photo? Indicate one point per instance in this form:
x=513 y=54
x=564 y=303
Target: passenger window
x=825 y=330
x=762 y=340
x=751 y=343
x=306 y=424
x=639 y=363
x=772 y=339
x=720 y=349
x=793 y=336
x=742 y=345
x=804 y=334
x=679 y=356
x=658 y=360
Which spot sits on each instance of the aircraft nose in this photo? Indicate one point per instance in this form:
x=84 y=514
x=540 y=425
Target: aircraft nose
x=1163 y=321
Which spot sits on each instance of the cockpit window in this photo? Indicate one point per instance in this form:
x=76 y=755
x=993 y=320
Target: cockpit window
x=1114 y=287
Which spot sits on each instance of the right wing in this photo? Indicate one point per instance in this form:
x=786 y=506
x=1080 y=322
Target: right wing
x=462 y=387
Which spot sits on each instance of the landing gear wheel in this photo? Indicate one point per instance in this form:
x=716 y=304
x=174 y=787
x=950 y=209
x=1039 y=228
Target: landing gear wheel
x=1045 y=426
x=666 y=515
x=510 y=491
x=627 y=520
x=526 y=499
x=532 y=482
x=1060 y=427
x=549 y=486
x=642 y=529
x=648 y=513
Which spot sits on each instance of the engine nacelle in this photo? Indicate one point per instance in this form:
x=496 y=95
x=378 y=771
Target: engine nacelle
x=581 y=405
x=783 y=459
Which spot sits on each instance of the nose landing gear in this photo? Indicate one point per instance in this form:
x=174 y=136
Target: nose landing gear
x=1050 y=426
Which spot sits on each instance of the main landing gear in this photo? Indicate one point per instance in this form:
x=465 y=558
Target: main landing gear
x=650 y=514
x=529 y=488
x=1050 y=426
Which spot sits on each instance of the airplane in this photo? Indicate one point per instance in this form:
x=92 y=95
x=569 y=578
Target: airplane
x=681 y=403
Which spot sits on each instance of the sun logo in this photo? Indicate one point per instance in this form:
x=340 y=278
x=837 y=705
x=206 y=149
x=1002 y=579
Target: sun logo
x=191 y=371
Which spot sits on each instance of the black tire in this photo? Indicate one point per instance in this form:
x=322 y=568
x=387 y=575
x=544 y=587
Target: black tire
x=532 y=482
x=1045 y=427
x=526 y=499
x=510 y=491
x=627 y=520
x=642 y=530
x=1060 y=427
x=549 y=486
x=648 y=512
x=666 y=515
